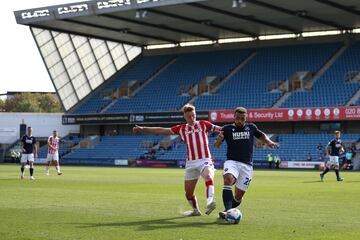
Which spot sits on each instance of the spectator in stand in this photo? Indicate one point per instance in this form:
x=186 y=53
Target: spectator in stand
x=320 y=151
x=270 y=160
x=309 y=158
x=353 y=149
x=277 y=161
x=347 y=160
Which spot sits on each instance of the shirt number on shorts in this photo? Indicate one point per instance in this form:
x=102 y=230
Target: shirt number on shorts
x=247 y=181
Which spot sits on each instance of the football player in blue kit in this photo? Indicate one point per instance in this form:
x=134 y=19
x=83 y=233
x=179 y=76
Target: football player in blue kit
x=29 y=153
x=332 y=151
x=238 y=168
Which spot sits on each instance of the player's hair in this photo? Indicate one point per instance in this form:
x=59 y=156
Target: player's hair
x=188 y=108
x=336 y=132
x=240 y=109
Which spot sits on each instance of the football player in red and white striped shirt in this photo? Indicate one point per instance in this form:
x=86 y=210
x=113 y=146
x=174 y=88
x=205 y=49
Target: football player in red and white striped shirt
x=199 y=161
x=53 y=153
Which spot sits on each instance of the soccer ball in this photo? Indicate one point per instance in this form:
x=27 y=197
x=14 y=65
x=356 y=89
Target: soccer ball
x=233 y=216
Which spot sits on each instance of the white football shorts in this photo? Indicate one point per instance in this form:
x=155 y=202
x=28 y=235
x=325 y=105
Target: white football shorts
x=194 y=168
x=333 y=161
x=53 y=157
x=27 y=157
x=241 y=171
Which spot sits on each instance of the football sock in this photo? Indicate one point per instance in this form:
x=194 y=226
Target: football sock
x=47 y=169
x=337 y=173
x=193 y=202
x=227 y=196
x=58 y=168
x=31 y=171
x=325 y=171
x=209 y=191
x=22 y=170
x=235 y=203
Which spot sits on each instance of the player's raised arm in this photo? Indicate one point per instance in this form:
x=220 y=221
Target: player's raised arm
x=267 y=141
x=35 y=149
x=22 y=146
x=51 y=146
x=152 y=130
x=217 y=129
x=219 y=139
x=342 y=150
x=327 y=151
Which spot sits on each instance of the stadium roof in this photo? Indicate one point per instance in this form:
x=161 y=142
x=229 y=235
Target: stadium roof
x=150 y=22
x=84 y=44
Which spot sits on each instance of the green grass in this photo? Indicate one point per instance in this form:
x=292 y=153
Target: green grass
x=137 y=203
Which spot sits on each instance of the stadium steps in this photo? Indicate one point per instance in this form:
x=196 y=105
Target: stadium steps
x=232 y=73
x=281 y=100
x=322 y=70
x=354 y=99
x=108 y=106
x=146 y=82
x=328 y=64
x=155 y=75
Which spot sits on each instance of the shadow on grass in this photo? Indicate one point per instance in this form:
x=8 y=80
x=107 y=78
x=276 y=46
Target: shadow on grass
x=154 y=224
x=316 y=181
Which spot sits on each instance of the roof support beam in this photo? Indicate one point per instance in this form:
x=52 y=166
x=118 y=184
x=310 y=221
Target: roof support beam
x=162 y=27
x=339 y=6
x=243 y=17
x=84 y=34
x=79 y=60
x=124 y=31
x=47 y=69
x=205 y=23
x=300 y=14
x=66 y=71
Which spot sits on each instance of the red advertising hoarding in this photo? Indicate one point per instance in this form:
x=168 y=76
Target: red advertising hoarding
x=291 y=114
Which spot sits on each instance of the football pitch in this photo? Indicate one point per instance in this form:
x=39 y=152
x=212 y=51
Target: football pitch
x=143 y=203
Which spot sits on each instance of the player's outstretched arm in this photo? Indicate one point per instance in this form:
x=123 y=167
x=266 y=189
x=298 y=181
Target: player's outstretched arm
x=217 y=129
x=22 y=147
x=219 y=140
x=327 y=151
x=35 y=150
x=50 y=146
x=342 y=150
x=267 y=141
x=152 y=130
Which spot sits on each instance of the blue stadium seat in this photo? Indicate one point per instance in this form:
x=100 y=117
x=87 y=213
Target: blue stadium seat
x=249 y=87
x=331 y=89
x=293 y=147
x=189 y=69
x=141 y=71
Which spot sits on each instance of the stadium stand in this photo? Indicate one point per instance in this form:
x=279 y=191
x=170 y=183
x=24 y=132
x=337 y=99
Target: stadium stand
x=188 y=69
x=169 y=49
x=140 y=71
x=332 y=89
x=114 y=147
x=65 y=146
x=294 y=147
x=249 y=87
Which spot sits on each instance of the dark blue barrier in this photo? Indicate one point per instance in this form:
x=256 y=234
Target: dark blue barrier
x=88 y=162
